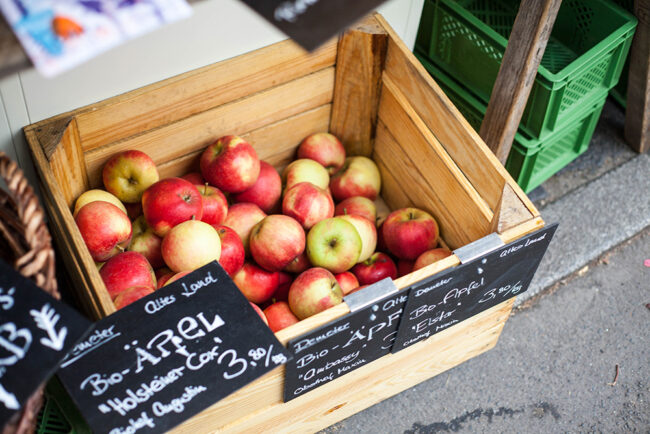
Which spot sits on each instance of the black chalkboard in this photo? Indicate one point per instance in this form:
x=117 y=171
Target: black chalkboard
x=312 y=22
x=36 y=331
x=166 y=357
x=347 y=343
x=447 y=298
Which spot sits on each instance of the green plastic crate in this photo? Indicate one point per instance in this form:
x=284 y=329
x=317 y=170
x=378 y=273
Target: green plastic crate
x=583 y=58
x=531 y=161
x=59 y=414
x=619 y=92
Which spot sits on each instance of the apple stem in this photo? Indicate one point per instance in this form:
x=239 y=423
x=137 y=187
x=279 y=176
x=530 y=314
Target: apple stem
x=193 y=217
x=205 y=189
x=120 y=248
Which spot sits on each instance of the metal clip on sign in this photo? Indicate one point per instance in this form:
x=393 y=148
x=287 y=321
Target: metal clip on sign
x=375 y=292
x=479 y=248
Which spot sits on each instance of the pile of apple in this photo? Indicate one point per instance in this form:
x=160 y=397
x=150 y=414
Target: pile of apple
x=282 y=239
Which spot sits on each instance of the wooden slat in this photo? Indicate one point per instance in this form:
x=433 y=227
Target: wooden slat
x=359 y=64
x=239 y=117
x=510 y=212
x=197 y=91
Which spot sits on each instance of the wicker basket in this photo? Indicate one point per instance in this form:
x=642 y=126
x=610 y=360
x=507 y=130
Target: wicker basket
x=25 y=242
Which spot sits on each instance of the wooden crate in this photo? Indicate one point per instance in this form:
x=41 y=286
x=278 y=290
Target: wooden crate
x=368 y=89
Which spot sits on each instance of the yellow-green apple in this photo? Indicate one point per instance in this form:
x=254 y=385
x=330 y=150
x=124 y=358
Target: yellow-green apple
x=257 y=284
x=367 y=232
x=377 y=267
x=324 y=148
x=162 y=276
x=357 y=205
x=145 y=242
x=266 y=191
x=299 y=264
x=128 y=174
x=431 y=256
x=409 y=232
x=94 y=195
x=126 y=270
x=258 y=311
x=232 y=250
x=334 y=244
x=305 y=170
x=308 y=204
x=279 y=316
x=190 y=245
x=169 y=202
x=347 y=281
x=133 y=210
x=359 y=176
x=175 y=277
x=314 y=291
x=276 y=241
x=404 y=267
x=194 y=177
x=241 y=218
x=230 y=164
x=130 y=295
x=215 y=204
x=105 y=229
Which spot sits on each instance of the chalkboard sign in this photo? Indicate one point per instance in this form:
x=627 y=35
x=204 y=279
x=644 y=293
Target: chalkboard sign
x=166 y=357
x=36 y=331
x=447 y=298
x=348 y=343
x=312 y=22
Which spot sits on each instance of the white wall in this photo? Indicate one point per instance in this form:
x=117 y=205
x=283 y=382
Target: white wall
x=218 y=29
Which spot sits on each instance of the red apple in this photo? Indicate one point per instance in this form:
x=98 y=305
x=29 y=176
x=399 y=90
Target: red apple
x=230 y=164
x=299 y=264
x=367 y=232
x=215 y=204
x=170 y=202
x=431 y=256
x=266 y=191
x=305 y=170
x=381 y=243
x=308 y=204
x=130 y=295
x=347 y=281
x=95 y=195
x=314 y=291
x=147 y=243
x=105 y=229
x=241 y=218
x=279 y=316
x=126 y=270
x=162 y=276
x=128 y=174
x=191 y=245
x=324 y=148
x=257 y=284
x=276 y=241
x=404 y=267
x=357 y=205
x=175 y=277
x=257 y=310
x=359 y=176
x=194 y=177
x=377 y=267
x=133 y=210
x=409 y=232
x=284 y=283
x=232 y=250
x=334 y=244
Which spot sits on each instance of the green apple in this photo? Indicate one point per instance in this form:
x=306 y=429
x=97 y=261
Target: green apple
x=334 y=244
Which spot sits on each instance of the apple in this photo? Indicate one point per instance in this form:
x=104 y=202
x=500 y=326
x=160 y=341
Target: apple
x=128 y=174
x=381 y=243
x=194 y=177
x=334 y=244
x=130 y=295
x=282 y=291
x=367 y=232
x=314 y=291
x=266 y=191
x=175 y=277
x=241 y=218
x=133 y=210
x=257 y=284
x=215 y=204
x=431 y=256
x=359 y=176
x=147 y=243
x=347 y=281
x=308 y=204
x=162 y=276
x=404 y=267
x=258 y=311
x=126 y=270
x=105 y=229
x=299 y=264
x=276 y=241
x=377 y=267
x=324 y=148
x=357 y=205
x=169 y=202
x=279 y=316
x=190 y=245
x=232 y=250
x=305 y=170
x=95 y=195
x=230 y=164
x=409 y=232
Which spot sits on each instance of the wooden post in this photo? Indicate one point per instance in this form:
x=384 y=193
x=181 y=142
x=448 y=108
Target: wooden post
x=637 y=113
x=524 y=52
x=359 y=65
